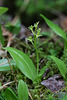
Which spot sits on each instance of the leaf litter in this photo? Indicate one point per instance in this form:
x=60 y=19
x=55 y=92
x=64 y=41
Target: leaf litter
x=54 y=83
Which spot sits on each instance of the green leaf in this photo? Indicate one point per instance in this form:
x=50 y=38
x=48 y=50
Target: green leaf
x=1 y=37
x=15 y=28
x=5 y=66
x=3 y=10
x=61 y=66
x=10 y=95
x=42 y=71
x=22 y=90
x=54 y=27
x=65 y=98
x=65 y=45
x=23 y=62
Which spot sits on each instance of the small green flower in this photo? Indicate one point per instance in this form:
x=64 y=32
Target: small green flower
x=31 y=28
x=36 y=24
x=30 y=39
x=38 y=33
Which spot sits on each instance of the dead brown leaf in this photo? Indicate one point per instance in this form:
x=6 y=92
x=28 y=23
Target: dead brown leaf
x=54 y=83
x=7 y=34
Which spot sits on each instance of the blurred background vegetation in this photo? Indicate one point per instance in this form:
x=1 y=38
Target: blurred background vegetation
x=29 y=10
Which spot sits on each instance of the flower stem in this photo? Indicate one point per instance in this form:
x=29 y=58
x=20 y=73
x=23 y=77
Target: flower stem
x=35 y=45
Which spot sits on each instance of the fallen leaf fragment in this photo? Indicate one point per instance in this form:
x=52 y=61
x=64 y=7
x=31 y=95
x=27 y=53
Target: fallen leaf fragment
x=8 y=34
x=54 y=83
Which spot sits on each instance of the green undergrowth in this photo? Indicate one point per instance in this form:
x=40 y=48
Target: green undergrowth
x=38 y=91
x=31 y=61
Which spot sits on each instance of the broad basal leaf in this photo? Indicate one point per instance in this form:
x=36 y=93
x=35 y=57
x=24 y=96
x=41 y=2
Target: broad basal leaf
x=54 y=27
x=61 y=66
x=10 y=95
x=22 y=90
x=4 y=65
x=3 y=10
x=23 y=63
x=1 y=37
